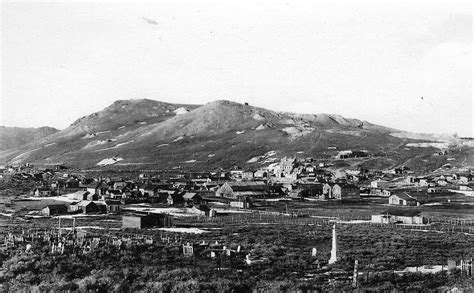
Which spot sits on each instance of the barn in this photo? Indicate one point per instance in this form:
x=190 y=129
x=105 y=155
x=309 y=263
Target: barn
x=54 y=209
x=233 y=189
x=141 y=221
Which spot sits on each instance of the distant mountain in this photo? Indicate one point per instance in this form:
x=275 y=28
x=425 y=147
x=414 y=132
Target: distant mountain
x=13 y=137
x=147 y=134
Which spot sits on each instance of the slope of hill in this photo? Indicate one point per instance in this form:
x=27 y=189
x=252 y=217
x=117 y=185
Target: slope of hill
x=13 y=137
x=146 y=134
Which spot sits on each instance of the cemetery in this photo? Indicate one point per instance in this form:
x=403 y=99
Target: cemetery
x=266 y=252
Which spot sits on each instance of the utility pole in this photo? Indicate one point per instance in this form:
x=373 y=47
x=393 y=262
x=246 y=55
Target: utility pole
x=59 y=229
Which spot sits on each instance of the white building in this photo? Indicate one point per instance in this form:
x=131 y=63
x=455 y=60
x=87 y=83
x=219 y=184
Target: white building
x=399 y=216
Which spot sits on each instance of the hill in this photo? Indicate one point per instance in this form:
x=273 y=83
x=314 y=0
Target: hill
x=13 y=137
x=146 y=134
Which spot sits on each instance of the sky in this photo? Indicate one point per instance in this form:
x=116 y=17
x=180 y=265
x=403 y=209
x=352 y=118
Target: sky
x=401 y=64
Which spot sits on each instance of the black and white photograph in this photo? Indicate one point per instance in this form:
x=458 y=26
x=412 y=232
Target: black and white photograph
x=236 y=146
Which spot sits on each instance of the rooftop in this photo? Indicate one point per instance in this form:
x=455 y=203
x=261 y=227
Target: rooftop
x=402 y=212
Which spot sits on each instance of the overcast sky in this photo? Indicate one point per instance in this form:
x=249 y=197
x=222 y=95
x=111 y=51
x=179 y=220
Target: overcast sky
x=403 y=64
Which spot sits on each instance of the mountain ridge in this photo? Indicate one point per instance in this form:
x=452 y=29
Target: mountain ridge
x=222 y=133
x=13 y=137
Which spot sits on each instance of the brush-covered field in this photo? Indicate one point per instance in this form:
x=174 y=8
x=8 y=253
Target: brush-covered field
x=280 y=251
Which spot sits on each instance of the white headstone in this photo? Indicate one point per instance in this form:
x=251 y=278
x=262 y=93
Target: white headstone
x=247 y=259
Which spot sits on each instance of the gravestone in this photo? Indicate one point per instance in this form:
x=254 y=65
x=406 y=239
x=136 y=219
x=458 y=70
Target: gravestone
x=451 y=264
x=188 y=250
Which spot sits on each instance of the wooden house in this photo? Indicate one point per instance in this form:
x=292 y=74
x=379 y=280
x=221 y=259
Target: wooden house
x=118 y=185
x=148 y=190
x=402 y=216
x=466 y=187
x=286 y=165
x=54 y=210
x=309 y=189
x=242 y=202
x=379 y=183
x=247 y=175
x=114 y=193
x=327 y=191
x=442 y=183
x=462 y=179
x=113 y=206
x=421 y=182
x=175 y=199
x=92 y=197
x=72 y=183
x=343 y=191
x=403 y=199
x=99 y=188
x=85 y=207
x=81 y=195
x=159 y=197
x=192 y=198
x=236 y=174
x=202 y=210
x=380 y=192
x=42 y=191
x=260 y=174
x=434 y=190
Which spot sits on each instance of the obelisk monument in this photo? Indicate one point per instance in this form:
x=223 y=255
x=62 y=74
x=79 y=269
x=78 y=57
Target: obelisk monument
x=333 y=258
